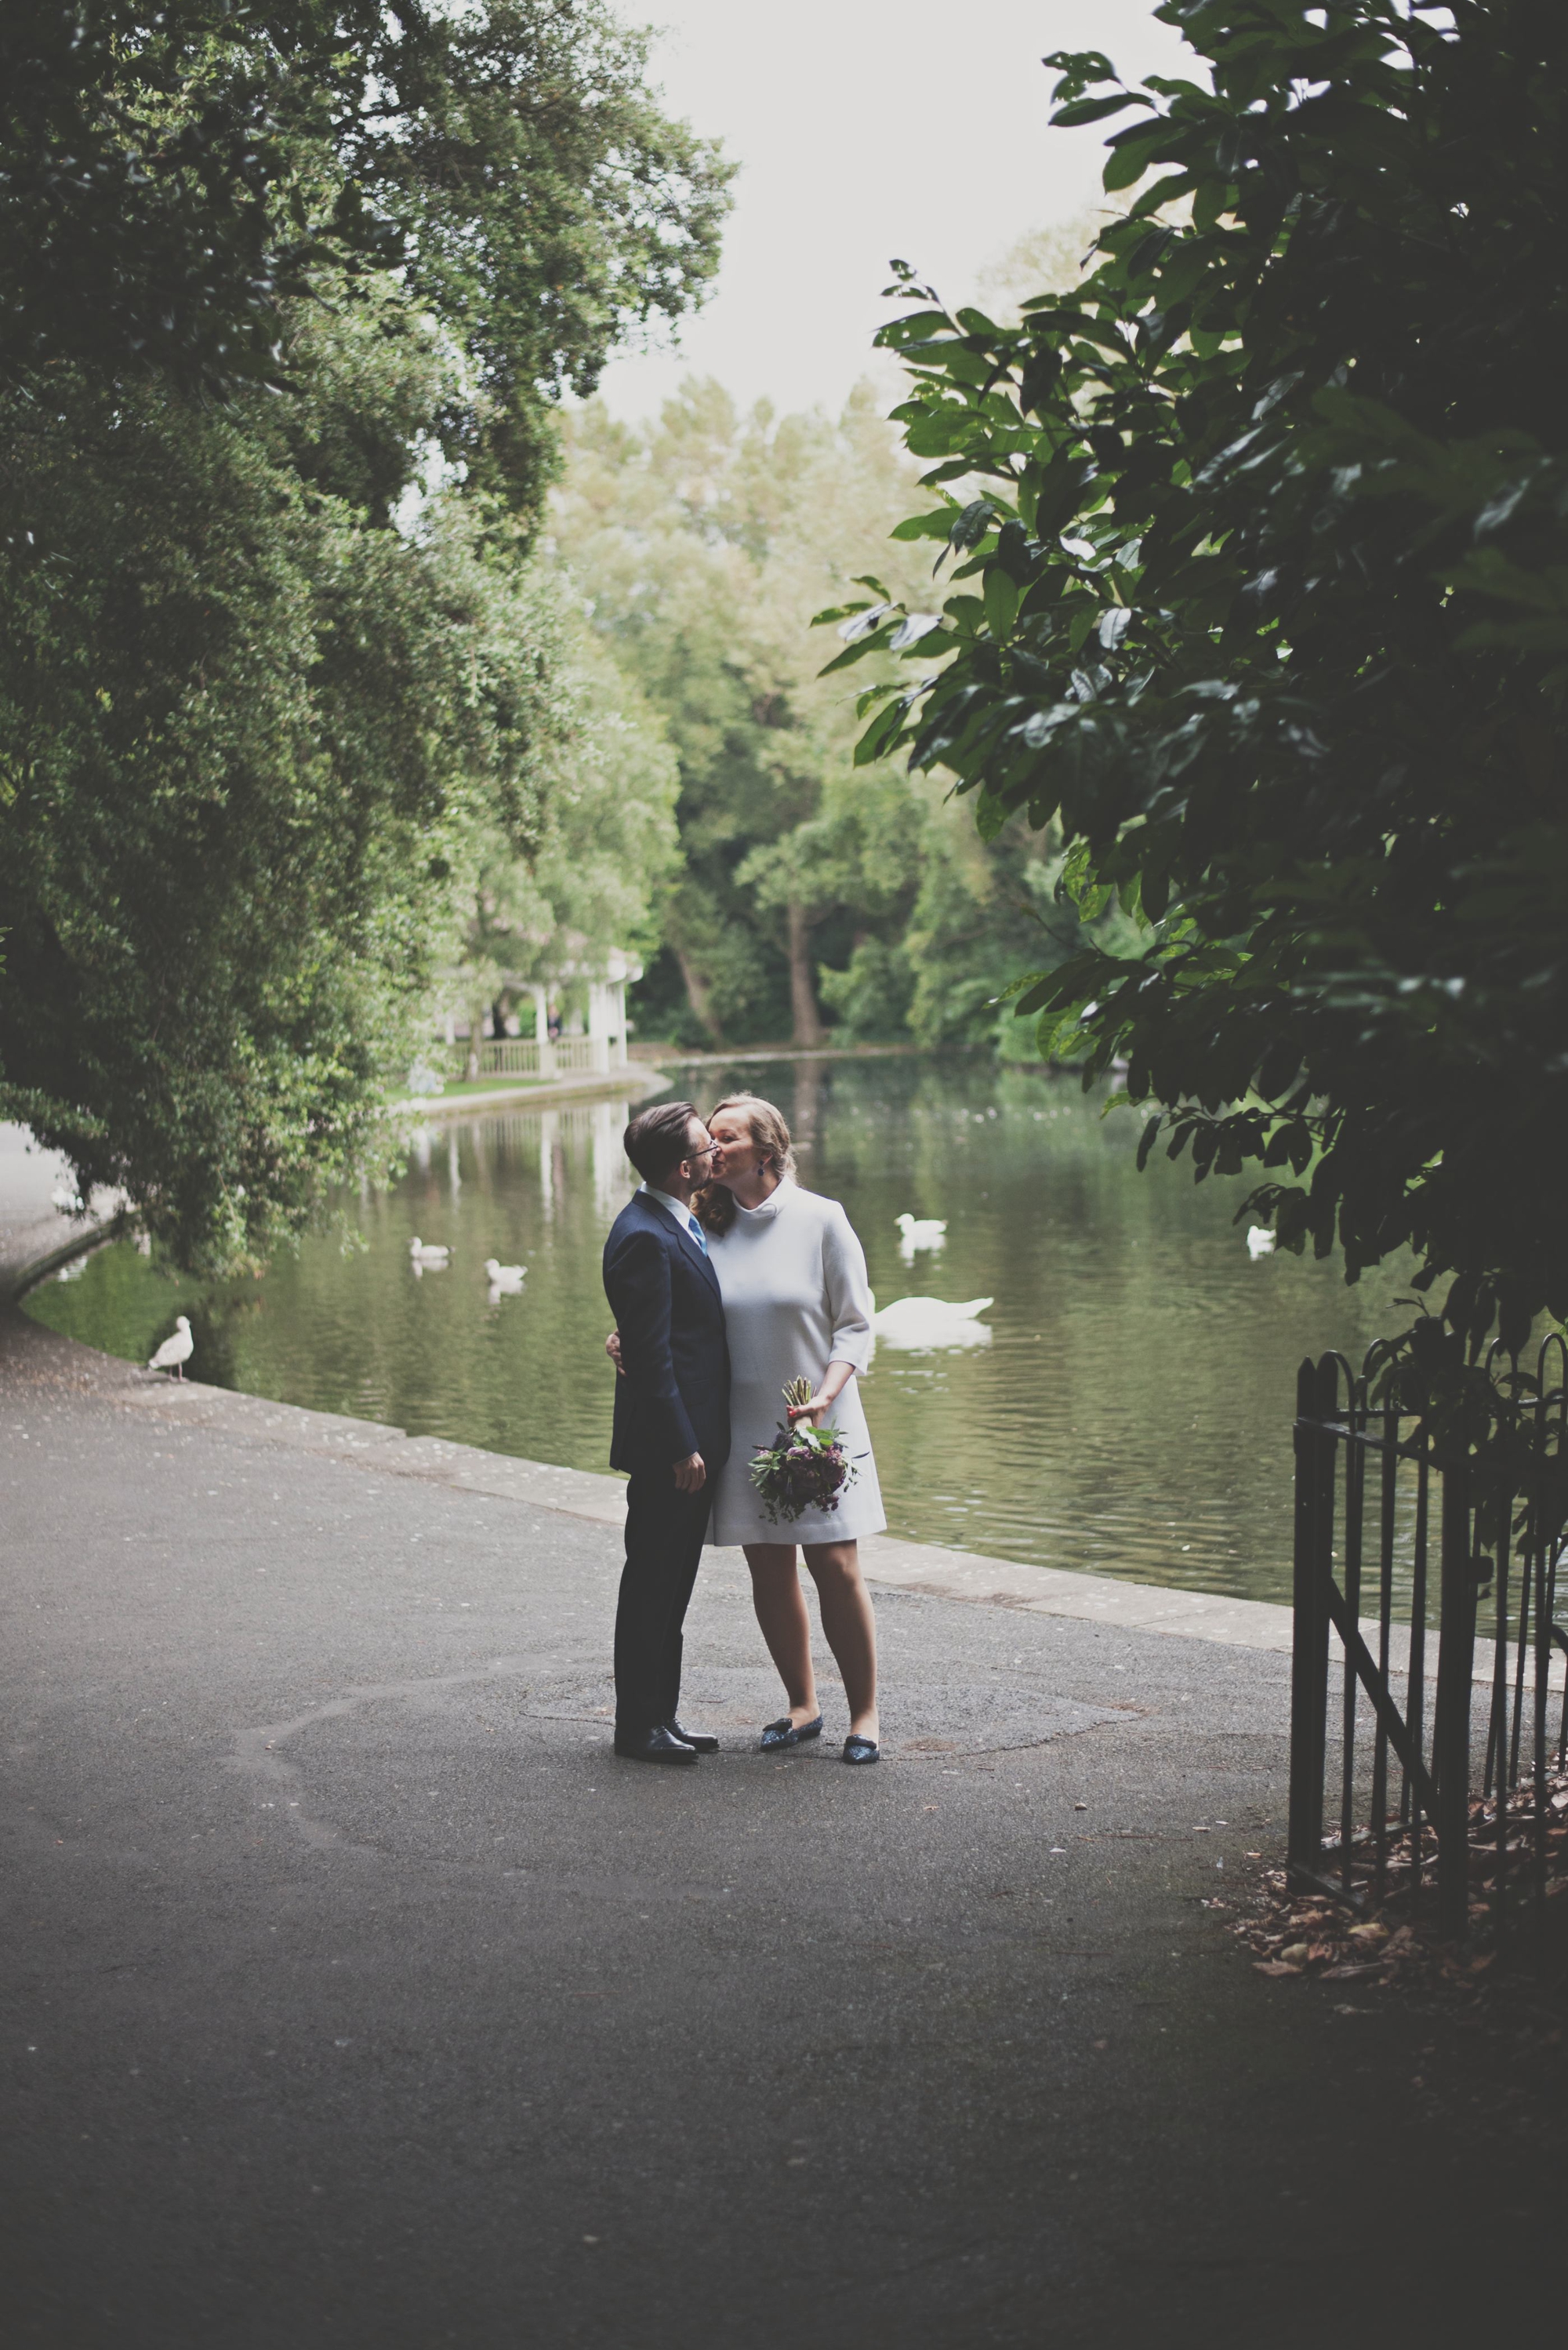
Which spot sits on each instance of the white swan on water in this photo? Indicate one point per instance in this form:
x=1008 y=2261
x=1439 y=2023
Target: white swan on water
x=914 y=1323
x=505 y=1280
x=921 y=1233
x=428 y=1251
x=175 y=1352
x=1260 y=1242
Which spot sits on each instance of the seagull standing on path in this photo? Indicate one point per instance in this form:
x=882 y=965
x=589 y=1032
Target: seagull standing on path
x=175 y=1352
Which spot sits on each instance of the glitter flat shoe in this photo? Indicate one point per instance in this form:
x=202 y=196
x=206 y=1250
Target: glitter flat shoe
x=785 y=1734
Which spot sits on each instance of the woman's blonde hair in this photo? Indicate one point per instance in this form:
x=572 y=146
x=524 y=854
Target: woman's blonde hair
x=716 y=1203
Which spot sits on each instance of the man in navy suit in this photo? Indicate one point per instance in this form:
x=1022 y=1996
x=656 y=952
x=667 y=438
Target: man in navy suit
x=671 y=1431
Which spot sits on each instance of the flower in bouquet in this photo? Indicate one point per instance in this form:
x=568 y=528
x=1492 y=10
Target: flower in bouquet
x=805 y=1467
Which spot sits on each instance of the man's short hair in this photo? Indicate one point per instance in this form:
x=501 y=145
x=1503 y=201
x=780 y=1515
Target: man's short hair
x=658 y=1140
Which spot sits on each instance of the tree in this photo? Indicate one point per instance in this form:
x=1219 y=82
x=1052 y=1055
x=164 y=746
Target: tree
x=703 y=543
x=1043 y=260
x=606 y=781
x=987 y=916
x=249 y=718
x=171 y=179
x=860 y=852
x=549 y=210
x=1269 y=615
x=240 y=728
x=160 y=182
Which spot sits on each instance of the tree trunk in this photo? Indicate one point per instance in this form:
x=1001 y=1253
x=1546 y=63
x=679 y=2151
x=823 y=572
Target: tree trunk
x=808 y=1029
x=699 y=995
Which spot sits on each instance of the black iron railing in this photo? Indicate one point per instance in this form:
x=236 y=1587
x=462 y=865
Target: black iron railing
x=1387 y=1541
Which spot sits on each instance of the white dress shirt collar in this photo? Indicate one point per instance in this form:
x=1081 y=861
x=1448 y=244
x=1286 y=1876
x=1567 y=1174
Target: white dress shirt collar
x=682 y=1214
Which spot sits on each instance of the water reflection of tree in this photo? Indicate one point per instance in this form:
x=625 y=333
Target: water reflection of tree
x=807 y=1097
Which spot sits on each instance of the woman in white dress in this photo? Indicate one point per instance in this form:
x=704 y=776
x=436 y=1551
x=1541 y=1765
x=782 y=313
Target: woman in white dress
x=796 y=1305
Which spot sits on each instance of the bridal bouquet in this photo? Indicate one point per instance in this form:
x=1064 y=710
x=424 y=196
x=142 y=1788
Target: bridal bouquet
x=805 y=1467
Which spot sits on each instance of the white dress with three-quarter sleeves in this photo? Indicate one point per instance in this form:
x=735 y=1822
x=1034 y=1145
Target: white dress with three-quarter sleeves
x=793 y=1276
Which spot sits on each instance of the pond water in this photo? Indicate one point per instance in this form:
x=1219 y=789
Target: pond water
x=1128 y=1414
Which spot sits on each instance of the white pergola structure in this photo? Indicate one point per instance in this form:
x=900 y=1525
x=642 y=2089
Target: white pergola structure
x=601 y=1051
x=604 y=1042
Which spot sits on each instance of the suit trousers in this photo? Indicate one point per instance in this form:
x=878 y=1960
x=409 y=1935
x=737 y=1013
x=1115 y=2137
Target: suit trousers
x=664 y=1531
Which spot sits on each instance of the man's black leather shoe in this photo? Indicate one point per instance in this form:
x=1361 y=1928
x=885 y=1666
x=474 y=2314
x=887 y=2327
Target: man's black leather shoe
x=702 y=1740
x=655 y=1746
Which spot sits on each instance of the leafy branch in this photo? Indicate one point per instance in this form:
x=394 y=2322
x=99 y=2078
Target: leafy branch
x=1255 y=546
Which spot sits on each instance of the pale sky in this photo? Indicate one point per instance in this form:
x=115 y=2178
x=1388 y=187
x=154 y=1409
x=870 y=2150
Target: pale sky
x=866 y=129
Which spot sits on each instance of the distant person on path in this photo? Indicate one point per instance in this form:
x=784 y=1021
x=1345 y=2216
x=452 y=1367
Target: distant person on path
x=671 y=1428
x=797 y=1303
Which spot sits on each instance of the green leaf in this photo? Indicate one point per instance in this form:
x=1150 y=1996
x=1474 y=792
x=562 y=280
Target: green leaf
x=911 y=629
x=869 y=619
x=990 y=817
x=1000 y=602
x=879 y=736
x=1132 y=152
x=852 y=653
x=935 y=525
x=1095 y=109
x=970 y=525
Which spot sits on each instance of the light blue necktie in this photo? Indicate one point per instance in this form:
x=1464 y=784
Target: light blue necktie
x=697 y=1234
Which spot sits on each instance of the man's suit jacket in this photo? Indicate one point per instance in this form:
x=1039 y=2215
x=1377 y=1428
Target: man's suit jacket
x=664 y=1293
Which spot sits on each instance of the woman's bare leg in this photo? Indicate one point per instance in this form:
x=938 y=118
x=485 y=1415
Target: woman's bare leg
x=850 y=1628
x=780 y=1604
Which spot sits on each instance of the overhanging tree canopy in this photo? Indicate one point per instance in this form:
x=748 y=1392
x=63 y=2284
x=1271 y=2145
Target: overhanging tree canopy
x=247 y=720
x=174 y=176
x=1267 y=604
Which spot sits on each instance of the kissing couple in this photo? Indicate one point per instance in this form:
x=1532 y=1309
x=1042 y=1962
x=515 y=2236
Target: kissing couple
x=728 y=1283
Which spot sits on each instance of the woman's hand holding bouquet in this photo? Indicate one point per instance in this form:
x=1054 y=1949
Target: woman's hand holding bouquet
x=805 y=1467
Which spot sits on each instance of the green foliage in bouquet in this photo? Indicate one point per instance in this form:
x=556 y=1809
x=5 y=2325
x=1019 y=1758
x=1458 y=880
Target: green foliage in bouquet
x=805 y=1467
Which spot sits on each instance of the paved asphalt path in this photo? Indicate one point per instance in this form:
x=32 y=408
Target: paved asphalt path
x=356 y=1998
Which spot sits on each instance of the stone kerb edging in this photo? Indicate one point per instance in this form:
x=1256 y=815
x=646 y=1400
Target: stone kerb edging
x=15 y=1279
x=886 y=1560
x=638 y=1080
